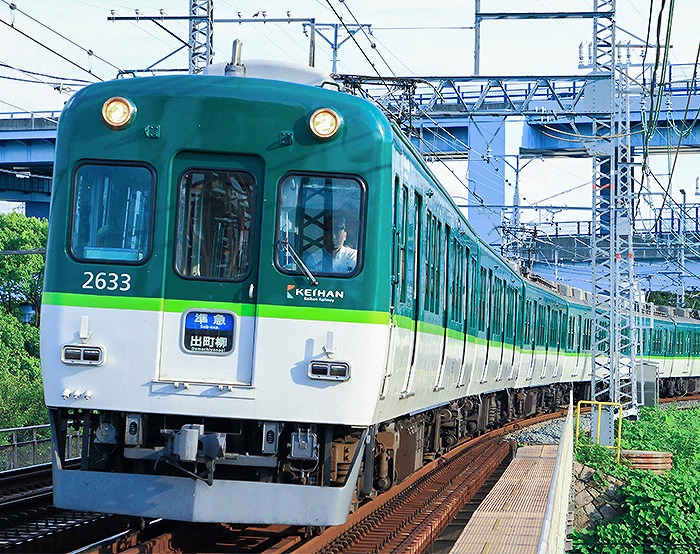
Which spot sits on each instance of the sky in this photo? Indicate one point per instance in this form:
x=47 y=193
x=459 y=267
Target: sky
x=410 y=37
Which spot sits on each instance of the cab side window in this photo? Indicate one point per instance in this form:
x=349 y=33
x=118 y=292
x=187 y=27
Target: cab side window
x=319 y=225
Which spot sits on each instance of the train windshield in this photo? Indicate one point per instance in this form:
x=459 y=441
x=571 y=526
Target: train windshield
x=215 y=218
x=112 y=213
x=320 y=223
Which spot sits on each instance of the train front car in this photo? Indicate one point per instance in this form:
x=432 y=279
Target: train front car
x=214 y=318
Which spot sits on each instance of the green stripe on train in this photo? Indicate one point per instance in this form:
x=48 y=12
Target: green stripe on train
x=179 y=306
x=100 y=301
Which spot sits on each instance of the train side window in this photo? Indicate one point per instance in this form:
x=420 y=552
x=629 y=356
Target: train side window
x=214 y=224
x=403 y=245
x=527 y=323
x=474 y=288
x=484 y=291
x=112 y=213
x=320 y=221
x=439 y=258
x=428 y=273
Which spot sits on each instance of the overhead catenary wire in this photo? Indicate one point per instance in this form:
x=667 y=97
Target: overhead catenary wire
x=364 y=31
x=658 y=77
x=48 y=76
x=62 y=85
x=680 y=137
x=89 y=52
x=50 y=49
x=364 y=54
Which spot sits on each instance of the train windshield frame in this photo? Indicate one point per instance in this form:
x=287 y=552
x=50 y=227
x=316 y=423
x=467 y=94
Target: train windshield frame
x=215 y=224
x=112 y=213
x=320 y=219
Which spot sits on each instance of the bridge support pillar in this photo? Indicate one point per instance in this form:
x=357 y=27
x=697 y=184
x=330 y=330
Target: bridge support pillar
x=486 y=175
x=37 y=209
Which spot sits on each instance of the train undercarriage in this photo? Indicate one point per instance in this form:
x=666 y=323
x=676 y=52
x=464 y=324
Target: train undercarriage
x=215 y=450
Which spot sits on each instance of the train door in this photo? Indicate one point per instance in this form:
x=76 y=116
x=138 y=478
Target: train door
x=486 y=296
x=576 y=342
x=685 y=351
x=399 y=346
x=534 y=338
x=414 y=283
x=547 y=339
x=211 y=276
x=557 y=329
x=470 y=296
x=446 y=294
x=513 y=335
x=494 y=357
x=695 y=350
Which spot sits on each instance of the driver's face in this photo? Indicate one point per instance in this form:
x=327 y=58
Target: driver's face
x=333 y=240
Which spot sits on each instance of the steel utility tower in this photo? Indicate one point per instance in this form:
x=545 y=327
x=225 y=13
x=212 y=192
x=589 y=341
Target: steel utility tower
x=616 y=348
x=201 y=39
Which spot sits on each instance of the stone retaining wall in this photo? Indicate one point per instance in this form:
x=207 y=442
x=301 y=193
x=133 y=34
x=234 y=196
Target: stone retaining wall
x=595 y=503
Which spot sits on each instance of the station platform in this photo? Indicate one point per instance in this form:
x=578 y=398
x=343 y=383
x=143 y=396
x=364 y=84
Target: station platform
x=510 y=518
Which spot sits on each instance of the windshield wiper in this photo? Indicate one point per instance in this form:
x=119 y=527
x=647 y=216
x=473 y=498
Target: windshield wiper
x=297 y=259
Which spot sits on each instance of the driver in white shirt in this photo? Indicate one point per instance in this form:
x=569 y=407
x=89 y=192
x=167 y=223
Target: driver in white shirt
x=334 y=257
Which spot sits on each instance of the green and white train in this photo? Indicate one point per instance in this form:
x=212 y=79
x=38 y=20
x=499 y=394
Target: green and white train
x=261 y=306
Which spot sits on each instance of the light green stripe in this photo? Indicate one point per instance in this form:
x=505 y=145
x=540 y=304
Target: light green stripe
x=403 y=322
x=179 y=306
x=322 y=314
x=102 y=301
x=430 y=328
x=271 y=311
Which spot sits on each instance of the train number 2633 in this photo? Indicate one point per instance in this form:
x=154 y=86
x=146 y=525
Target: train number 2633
x=107 y=281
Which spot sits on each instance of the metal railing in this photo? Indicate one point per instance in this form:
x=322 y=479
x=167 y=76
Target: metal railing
x=29 y=121
x=29 y=446
x=555 y=522
x=672 y=223
x=46 y=114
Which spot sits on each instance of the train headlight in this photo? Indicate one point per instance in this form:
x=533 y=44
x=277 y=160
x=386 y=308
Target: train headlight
x=329 y=370
x=325 y=123
x=118 y=112
x=82 y=355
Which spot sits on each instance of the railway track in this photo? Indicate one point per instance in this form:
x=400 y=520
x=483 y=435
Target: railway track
x=24 y=486
x=411 y=516
x=29 y=522
x=407 y=518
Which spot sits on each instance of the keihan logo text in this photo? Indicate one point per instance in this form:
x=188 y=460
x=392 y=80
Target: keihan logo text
x=314 y=295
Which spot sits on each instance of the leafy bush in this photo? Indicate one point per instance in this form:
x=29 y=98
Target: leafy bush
x=662 y=516
x=666 y=430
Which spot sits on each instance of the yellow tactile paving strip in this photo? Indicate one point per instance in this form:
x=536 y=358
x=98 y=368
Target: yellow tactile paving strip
x=509 y=519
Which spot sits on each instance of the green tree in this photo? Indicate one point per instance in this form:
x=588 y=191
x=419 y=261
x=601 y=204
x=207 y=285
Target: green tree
x=21 y=390
x=22 y=273
x=661 y=298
